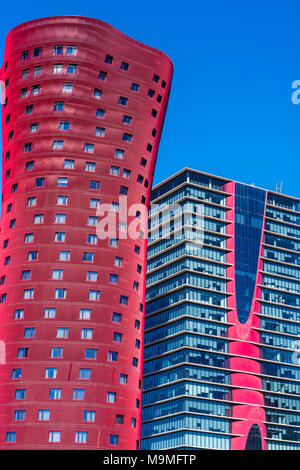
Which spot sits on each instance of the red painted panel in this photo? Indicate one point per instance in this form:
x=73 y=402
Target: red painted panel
x=243 y=361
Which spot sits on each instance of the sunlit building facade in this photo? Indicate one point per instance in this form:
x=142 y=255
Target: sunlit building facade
x=82 y=121
x=221 y=362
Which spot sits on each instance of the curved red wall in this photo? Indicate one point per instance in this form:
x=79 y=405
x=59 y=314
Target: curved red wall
x=248 y=407
x=94 y=41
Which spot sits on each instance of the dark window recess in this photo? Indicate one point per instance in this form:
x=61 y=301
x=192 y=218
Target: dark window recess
x=102 y=75
x=135 y=87
x=24 y=55
x=124 y=66
x=109 y=59
x=123 y=101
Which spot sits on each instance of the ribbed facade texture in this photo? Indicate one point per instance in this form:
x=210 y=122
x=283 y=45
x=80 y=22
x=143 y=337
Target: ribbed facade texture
x=221 y=358
x=82 y=121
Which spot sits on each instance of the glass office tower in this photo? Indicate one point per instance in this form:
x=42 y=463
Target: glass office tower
x=221 y=358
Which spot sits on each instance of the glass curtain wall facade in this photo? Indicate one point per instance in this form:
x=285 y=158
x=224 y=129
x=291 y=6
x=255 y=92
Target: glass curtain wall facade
x=221 y=369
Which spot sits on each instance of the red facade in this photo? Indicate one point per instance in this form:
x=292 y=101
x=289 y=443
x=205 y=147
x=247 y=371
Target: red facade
x=247 y=391
x=82 y=121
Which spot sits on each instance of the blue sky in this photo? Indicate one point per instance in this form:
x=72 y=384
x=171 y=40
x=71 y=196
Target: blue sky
x=230 y=111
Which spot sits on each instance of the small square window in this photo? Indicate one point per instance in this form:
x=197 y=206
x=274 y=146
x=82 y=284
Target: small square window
x=27 y=147
x=100 y=112
x=11 y=436
x=123 y=300
x=85 y=374
x=94 y=184
x=64 y=125
x=71 y=50
x=24 y=55
x=84 y=314
x=114 y=170
x=58 y=106
x=123 y=190
x=116 y=317
x=72 y=68
x=90 y=353
x=89 y=148
x=35 y=89
x=113 y=278
x=57 y=50
x=127 y=137
x=127 y=119
x=126 y=173
x=124 y=66
x=57 y=68
x=97 y=93
x=90 y=166
x=155 y=78
x=119 y=153
x=114 y=242
x=117 y=337
x=113 y=439
x=92 y=239
x=88 y=256
x=67 y=87
x=37 y=52
x=60 y=293
x=69 y=164
x=123 y=379
x=29 y=109
x=109 y=59
x=62 y=181
x=34 y=127
x=135 y=87
x=111 y=397
x=37 y=70
x=102 y=75
x=119 y=419
x=100 y=131
x=59 y=236
x=118 y=261
x=57 y=144
x=39 y=182
x=23 y=92
x=112 y=356
x=123 y=101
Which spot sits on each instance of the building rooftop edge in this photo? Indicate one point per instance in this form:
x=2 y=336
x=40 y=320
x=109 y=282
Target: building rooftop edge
x=85 y=20
x=226 y=180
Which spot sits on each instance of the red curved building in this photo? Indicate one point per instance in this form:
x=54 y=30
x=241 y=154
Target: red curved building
x=82 y=121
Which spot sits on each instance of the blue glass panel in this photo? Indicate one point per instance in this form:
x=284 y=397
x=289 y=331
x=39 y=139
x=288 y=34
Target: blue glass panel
x=249 y=214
